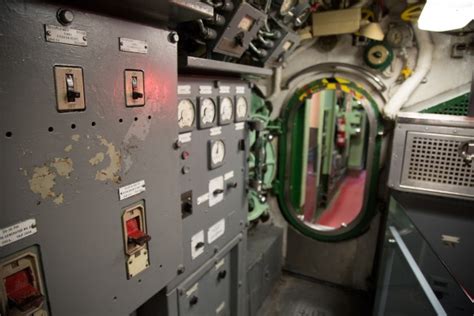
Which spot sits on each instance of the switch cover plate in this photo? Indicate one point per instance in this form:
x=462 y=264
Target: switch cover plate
x=134 y=88
x=60 y=75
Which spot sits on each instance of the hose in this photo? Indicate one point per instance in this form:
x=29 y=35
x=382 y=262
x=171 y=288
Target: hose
x=423 y=66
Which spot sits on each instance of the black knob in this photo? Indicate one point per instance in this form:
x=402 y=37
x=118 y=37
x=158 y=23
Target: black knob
x=193 y=300
x=221 y=275
x=199 y=245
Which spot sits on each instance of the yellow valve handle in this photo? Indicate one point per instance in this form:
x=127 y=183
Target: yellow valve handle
x=412 y=12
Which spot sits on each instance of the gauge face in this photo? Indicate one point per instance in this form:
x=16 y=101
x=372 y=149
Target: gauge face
x=226 y=109
x=207 y=112
x=216 y=153
x=186 y=114
x=241 y=108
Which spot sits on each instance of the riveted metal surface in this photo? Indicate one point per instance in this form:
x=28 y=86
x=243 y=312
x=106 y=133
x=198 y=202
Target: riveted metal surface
x=65 y=169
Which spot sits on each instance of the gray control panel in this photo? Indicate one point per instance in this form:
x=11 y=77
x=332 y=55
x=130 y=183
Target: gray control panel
x=212 y=158
x=90 y=221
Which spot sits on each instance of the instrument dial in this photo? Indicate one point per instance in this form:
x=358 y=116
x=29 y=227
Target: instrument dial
x=217 y=153
x=186 y=114
x=226 y=109
x=241 y=108
x=207 y=112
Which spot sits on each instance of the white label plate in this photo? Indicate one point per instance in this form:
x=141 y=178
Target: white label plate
x=239 y=126
x=240 y=89
x=219 y=264
x=215 y=131
x=205 y=89
x=17 y=231
x=229 y=175
x=216 y=231
x=203 y=198
x=197 y=238
x=192 y=290
x=216 y=184
x=132 y=189
x=184 y=138
x=64 y=35
x=224 y=89
x=220 y=308
x=133 y=45
x=184 y=89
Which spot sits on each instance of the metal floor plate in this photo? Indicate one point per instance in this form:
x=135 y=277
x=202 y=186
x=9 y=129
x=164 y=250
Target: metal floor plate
x=293 y=296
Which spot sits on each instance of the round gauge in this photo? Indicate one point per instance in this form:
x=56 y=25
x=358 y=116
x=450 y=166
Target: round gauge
x=242 y=108
x=226 y=109
x=207 y=111
x=217 y=152
x=186 y=113
x=400 y=35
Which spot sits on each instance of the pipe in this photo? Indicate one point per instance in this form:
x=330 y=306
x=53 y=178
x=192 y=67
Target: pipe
x=277 y=74
x=423 y=66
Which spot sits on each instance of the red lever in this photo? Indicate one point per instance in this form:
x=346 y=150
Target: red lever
x=21 y=292
x=135 y=234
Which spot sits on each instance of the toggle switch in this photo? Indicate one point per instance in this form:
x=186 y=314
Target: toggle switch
x=136 y=239
x=231 y=185
x=135 y=233
x=71 y=94
x=134 y=88
x=69 y=88
x=22 y=289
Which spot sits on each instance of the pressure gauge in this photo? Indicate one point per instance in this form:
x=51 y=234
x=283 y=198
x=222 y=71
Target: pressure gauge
x=207 y=113
x=399 y=35
x=241 y=109
x=216 y=153
x=226 y=110
x=186 y=115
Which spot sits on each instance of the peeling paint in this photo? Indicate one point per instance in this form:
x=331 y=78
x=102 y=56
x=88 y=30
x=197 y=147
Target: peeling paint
x=138 y=131
x=113 y=169
x=76 y=137
x=59 y=199
x=42 y=182
x=63 y=166
x=97 y=159
x=68 y=148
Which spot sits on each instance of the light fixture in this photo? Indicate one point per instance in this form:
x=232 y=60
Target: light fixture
x=372 y=30
x=443 y=15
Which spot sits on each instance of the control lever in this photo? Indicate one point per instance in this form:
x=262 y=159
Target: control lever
x=232 y=185
x=218 y=191
x=135 y=93
x=466 y=151
x=139 y=240
x=71 y=95
x=199 y=245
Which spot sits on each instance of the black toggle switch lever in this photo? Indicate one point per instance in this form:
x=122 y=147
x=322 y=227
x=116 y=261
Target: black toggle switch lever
x=139 y=240
x=232 y=185
x=135 y=93
x=218 y=191
x=71 y=95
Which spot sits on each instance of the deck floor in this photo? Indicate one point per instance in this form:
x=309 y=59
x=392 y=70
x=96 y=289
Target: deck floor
x=295 y=296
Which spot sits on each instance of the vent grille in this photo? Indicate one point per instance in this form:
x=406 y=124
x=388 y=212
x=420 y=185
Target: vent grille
x=432 y=163
x=458 y=106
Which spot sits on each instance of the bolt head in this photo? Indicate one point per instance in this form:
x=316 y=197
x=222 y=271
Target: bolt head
x=173 y=37
x=64 y=16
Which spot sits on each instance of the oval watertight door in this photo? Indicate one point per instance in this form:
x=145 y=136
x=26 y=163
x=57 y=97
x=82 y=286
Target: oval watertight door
x=328 y=161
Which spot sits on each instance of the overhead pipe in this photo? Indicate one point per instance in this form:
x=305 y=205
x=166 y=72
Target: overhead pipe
x=423 y=66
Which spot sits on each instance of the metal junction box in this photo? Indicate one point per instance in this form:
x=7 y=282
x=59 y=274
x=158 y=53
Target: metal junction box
x=216 y=288
x=433 y=154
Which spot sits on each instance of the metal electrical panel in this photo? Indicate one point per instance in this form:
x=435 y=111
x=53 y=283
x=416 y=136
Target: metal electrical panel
x=433 y=154
x=217 y=287
x=212 y=166
x=88 y=165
